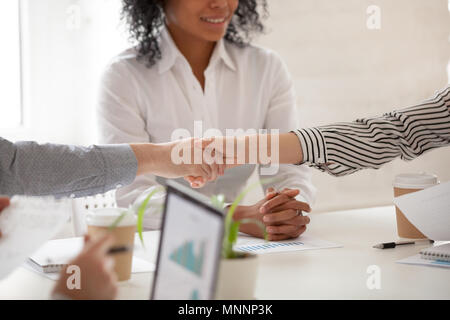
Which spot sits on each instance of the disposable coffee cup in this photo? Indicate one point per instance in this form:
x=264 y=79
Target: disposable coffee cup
x=408 y=183
x=100 y=221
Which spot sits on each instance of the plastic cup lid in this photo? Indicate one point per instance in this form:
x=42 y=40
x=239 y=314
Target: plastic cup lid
x=415 y=180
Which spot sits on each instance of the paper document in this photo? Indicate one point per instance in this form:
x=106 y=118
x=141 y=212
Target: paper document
x=260 y=246
x=26 y=224
x=417 y=260
x=57 y=253
x=428 y=210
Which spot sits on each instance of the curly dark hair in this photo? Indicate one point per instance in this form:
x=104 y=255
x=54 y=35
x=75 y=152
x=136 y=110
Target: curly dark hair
x=145 y=19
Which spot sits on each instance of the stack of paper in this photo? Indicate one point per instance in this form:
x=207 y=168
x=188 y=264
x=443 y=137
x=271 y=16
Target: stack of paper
x=429 y=211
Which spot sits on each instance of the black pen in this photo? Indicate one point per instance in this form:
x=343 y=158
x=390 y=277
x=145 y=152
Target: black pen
x=389 y=245
x=116 y=250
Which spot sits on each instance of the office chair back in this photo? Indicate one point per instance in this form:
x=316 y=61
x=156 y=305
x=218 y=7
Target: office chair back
x=81 y=206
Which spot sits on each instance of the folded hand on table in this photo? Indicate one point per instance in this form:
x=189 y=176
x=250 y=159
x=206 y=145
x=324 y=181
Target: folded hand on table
x=280 y=212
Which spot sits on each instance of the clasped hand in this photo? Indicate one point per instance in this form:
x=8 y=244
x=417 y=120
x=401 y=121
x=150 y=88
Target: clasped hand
x=280 y=212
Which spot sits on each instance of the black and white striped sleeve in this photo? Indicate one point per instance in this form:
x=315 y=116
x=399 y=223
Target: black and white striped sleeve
x=347 y=147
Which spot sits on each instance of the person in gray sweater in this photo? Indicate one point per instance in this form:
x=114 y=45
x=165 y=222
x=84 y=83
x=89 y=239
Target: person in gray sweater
x=29 y=168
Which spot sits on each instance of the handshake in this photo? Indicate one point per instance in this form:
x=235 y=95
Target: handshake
x=200 y=161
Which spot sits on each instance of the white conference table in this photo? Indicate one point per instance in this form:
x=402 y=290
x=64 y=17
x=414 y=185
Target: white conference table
x=339 y=273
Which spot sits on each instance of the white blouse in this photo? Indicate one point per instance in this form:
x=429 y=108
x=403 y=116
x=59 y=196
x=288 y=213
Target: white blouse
x=248 y=88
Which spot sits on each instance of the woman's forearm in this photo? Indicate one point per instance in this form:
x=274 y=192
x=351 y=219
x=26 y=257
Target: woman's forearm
x=282 y=148
x=290 y=149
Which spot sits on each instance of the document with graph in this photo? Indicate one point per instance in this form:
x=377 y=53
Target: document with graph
x=260 y=246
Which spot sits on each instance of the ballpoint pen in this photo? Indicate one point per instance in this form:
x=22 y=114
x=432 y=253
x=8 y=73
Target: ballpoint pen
x=389 y=245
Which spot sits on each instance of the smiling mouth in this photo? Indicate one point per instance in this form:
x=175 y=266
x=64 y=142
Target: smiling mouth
x=214 y=20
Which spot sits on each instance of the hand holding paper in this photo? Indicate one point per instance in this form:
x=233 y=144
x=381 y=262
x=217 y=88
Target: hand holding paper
x=428 y=210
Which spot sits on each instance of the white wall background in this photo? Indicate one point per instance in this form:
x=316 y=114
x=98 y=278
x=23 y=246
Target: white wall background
x=66 y=44
x=341 y=70
x=10 y=82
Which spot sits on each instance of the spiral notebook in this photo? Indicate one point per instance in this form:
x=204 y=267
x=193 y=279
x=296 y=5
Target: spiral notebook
x=440 y=253
x=54 y=255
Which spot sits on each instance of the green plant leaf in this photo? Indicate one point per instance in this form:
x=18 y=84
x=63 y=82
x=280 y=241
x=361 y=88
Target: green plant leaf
x=228 y=252
x=234 y=230
x=218 y=201
x=241 y=196
x=141 y=212
x=261 y=225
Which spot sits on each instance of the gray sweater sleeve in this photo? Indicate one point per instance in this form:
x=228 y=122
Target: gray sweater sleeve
x=29 y=168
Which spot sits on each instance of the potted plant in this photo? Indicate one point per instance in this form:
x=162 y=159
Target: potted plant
x=238 y=270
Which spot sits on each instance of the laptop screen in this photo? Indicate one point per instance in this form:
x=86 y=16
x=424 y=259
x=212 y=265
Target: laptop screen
x=189 y=249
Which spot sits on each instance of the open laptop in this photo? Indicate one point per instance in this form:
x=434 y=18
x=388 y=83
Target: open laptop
x=189 y=248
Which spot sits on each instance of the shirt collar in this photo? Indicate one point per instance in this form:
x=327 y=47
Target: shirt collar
x=221 y=53
x=170 y=53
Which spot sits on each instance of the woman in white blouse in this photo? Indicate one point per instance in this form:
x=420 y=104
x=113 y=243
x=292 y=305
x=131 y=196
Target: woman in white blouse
x=193 y=64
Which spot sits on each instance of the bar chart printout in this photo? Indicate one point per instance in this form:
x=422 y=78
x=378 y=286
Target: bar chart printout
x=260 y=246
x=185 y=256
x=269 y=245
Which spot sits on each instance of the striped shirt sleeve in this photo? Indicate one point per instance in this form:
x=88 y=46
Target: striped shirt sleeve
x=347 y=147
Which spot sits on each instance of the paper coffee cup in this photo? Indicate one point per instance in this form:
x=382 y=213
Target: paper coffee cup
x=408 y=183
x=99 y=222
